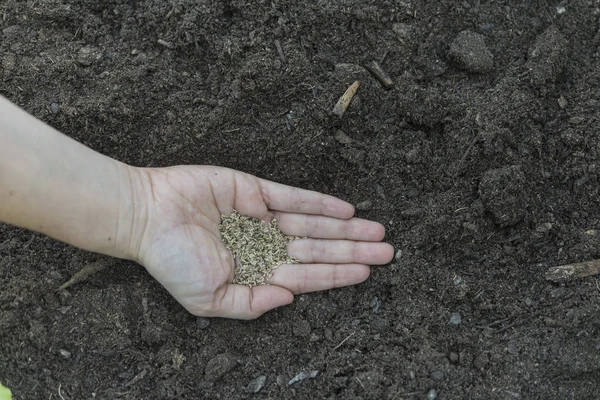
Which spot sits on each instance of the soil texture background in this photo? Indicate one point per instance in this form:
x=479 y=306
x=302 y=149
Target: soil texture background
x=482 y=161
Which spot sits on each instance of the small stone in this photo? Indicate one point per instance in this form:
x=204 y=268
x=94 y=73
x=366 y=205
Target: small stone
x=54 y=108
x=256 y=384
x=65 y=353
x=455 y=319
x=576 y=120
x=432 y=394
x=528 y=302
x=364 y=205
x=375 y=304
x=544 y=227
x=219 y=366
x=328 y=334
x=314 y=337
x=88 y=55
x=512 y=348
x=301 y=328
x=453 y=357
x=562 y=102
x=437 y=375
x=468 y=51
x=398 y=255
x=202 y=323
x=303 y=376
x=342 y=137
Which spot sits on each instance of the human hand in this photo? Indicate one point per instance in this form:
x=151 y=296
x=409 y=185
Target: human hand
x=176 y=237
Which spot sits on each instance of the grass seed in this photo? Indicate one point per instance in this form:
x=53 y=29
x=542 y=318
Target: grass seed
x=259 y=247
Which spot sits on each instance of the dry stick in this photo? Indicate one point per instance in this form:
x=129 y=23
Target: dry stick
x=464 y=157
x=280 y=51
x=344 y=101
x=374 y=68
x=344 y=341
x=569 y=272
x=83 y=275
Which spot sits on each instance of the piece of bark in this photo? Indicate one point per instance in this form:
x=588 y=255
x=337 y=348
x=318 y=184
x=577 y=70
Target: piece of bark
x=375 y=69
x=344 y=101
x=569 y=272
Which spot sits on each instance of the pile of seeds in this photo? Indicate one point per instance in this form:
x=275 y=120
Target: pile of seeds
x=258 y=247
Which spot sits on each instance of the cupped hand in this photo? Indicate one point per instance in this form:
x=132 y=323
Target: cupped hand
x=177 y=239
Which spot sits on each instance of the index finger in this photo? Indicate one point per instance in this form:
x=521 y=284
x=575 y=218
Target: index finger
x=292 y=199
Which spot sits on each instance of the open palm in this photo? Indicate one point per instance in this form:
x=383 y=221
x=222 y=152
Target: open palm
x=180 y=245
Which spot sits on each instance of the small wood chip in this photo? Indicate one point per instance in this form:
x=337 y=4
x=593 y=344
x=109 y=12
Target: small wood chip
x=165 y=43
x=83 y=275
x=569 y=272
x=344 y=101
x=374 y=68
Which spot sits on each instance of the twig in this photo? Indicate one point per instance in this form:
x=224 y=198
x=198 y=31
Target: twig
x=344 y=101
x=464 y=157
x=280 y=51
x=374 y=68
x=569 y=272
x=361 y=384
x=344 y=341
x=60 y=394
x=165 y=43
x=83 y=275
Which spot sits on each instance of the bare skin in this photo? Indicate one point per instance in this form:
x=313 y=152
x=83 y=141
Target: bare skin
x=167 y=219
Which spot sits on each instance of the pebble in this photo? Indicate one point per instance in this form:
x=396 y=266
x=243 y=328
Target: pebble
x=55 y=108
x=512 y=348
x=342 y=138
x=303 y=376
x=562 y=102
x=455 y=319
x=398 y=255
x=437 y=375
x=256 y=384
x=88 y=55
x=219 y=366
x=469 y=52
x=65 y=353
x=364 y=205
x=432 y=394
x=453 y=357
x=202 y=323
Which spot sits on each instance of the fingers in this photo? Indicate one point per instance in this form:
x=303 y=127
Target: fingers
x=340 y=251
x=290 y=199
x=304 y=278
x=242 y=302
x=316 y=226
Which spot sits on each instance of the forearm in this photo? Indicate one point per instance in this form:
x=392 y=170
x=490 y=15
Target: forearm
x=54 y=185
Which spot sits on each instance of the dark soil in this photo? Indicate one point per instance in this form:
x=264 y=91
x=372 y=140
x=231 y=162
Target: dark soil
x=484 y=175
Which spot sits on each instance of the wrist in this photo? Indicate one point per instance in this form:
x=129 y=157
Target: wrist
x=133 y=216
